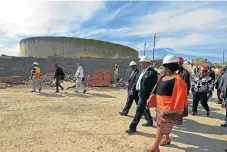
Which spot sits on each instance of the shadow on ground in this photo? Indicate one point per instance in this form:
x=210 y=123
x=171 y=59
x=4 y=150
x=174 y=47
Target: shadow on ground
x=49 y=94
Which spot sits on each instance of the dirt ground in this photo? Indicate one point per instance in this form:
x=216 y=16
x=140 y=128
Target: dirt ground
x=69 y=122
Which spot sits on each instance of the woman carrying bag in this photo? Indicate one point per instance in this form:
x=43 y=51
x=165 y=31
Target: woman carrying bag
x=171 y=96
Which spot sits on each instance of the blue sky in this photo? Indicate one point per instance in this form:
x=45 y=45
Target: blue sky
x=189 y=29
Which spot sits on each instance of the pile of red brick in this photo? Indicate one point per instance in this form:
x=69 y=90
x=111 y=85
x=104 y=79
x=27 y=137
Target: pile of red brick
x=13 y=79
x=100 y=78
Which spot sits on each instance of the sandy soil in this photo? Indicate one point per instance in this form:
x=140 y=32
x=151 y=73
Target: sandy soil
x=69 y=122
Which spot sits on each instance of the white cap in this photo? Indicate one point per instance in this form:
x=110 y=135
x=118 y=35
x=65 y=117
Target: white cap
x=145 y=59
x=35 y=63
x=132 y=63
x=170 y=59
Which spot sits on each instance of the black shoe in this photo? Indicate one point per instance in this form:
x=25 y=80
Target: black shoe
x=62 y=89
x=40 y=89
x=85 y=91
x=122 y=114
x=220 y=102
x=33 y=91
x=57 y=92
x=208 y=113
x=148 y=124
x=224 y=124
x=130 y=131
x=194 y=113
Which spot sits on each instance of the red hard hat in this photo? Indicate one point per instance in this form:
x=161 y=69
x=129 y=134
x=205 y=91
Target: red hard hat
x=204 y=68
x=181 y=59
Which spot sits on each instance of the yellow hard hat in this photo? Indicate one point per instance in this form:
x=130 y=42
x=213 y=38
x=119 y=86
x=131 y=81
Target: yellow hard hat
x=115 y=64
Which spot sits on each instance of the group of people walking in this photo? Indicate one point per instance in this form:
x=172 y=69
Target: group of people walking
x=58 y=76
x=168 y=91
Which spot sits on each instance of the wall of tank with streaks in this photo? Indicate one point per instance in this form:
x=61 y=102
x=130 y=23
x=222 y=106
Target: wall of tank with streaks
x=74 y=47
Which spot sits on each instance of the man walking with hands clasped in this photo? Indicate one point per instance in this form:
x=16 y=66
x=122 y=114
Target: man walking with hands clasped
x=145 y=83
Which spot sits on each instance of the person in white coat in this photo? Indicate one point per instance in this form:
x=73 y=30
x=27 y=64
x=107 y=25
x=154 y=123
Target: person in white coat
x=79 y=78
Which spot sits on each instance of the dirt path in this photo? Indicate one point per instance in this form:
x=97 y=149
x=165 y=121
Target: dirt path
x=68 y=122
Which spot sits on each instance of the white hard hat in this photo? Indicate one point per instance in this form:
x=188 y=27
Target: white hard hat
x=170 y=59
x=132 y=63
x=35 y=63
x=145 y=59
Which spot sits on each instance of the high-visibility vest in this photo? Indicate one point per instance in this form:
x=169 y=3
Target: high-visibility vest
x=115 y=71
x=37 y=72
x=178 y=100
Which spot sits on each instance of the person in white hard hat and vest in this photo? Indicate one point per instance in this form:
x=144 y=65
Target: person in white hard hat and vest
x=35 y=77
x=132 y=93
x=145 y=83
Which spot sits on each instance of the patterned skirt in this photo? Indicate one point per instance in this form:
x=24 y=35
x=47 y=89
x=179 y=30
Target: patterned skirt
x=165 y=125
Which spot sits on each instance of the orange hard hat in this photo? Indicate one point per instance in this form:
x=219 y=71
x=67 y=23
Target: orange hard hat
x=181 y=59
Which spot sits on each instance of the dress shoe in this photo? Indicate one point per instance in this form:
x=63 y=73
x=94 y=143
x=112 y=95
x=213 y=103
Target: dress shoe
x=208 y=113
x=130 y=131
x=122 y=114
x=148 y=124
x=194 y=113
x=224 y=124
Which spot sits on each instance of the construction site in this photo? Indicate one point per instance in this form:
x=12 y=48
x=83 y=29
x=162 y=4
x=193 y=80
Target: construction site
x=77 y=122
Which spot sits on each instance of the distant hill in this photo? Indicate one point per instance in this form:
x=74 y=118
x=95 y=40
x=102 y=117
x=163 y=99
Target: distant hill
x=162 y=52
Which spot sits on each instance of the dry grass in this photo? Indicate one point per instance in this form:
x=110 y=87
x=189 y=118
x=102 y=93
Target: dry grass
x=68 y=122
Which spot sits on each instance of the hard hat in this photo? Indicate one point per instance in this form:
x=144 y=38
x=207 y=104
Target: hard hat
x=204 y=68
x=181 y=59
x=145 y=59
x=115 y=64
x=170 y=59
x=35 y=63
x=132 y=63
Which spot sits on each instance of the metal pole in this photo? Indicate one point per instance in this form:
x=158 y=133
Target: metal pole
x=144 y=48
x=154 y=45
x=223 y=56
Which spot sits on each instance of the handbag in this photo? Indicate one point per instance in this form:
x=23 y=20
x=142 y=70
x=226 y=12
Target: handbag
x=152 y=101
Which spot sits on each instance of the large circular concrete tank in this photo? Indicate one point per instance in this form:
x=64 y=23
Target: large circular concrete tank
x=74 y=47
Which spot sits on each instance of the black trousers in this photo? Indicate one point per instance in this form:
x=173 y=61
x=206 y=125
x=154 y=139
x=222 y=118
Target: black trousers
x=140 y=110
x=202 y=97
x=226 y=116
x=218 y=94
x=58 y=83
x=129 y=102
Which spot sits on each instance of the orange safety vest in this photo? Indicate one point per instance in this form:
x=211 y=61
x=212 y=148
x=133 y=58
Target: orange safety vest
x=178 y=100
x=37 y=72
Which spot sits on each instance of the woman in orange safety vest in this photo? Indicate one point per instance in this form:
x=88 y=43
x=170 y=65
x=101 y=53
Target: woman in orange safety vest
x=171 y=93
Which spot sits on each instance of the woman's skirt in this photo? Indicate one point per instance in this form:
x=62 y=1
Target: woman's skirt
x=165 y=125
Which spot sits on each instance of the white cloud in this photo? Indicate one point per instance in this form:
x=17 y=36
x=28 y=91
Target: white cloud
x=1 y=45
x=103 y=31
x=114 y=14
x=178 y=42
x=176 y=20
x=34 y=18
x=10 y=51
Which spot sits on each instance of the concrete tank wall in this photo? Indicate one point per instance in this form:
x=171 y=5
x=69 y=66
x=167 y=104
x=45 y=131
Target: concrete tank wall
x=74 y=47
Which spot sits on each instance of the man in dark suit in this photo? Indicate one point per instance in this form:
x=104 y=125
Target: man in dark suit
x=132 y=93
x=145 y=83
x=59 y=75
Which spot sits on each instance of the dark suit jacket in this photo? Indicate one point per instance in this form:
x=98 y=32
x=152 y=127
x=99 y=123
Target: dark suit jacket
x=132 y=80
x=59 y=73
x=148 y=82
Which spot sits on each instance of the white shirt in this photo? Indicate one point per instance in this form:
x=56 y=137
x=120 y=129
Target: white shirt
x=138 y=84
x=81 y=71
